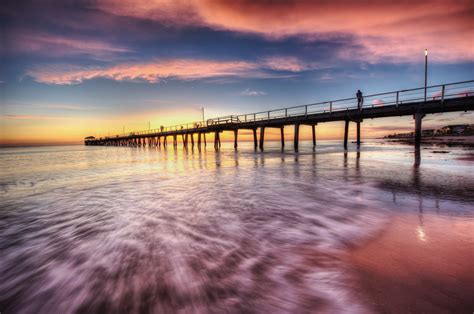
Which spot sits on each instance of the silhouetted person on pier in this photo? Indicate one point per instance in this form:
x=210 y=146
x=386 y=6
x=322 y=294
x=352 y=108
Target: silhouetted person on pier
x=162 y=128
x=360 y=99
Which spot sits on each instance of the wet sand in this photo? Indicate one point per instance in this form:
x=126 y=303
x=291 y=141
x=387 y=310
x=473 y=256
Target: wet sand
x=419 y=264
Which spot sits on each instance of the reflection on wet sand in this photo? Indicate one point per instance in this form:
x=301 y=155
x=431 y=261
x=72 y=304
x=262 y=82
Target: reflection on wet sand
x=417 y=266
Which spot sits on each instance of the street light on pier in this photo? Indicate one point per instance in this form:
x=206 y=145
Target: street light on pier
x=426 y=70
x=202 y=108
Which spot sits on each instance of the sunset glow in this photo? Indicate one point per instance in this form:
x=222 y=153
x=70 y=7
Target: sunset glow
x=73 y=70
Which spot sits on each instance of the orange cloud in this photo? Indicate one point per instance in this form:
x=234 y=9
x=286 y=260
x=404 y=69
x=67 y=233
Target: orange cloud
x=381 y=30
x=156 y=71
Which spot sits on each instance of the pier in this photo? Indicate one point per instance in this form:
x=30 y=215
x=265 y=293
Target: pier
x=416 y=103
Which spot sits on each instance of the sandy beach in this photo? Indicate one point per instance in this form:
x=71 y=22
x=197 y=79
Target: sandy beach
x=417 y=266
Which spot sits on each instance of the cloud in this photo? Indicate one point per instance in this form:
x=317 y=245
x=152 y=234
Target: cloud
x=286 y=63
x=381 y=31
x=156 y=71
x=249 y=92
x=31 y=117
x=377 y=102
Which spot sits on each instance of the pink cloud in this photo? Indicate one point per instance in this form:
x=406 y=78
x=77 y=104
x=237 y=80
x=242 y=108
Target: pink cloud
x=55 y=45
x=152 y=72
x=381 y=30
x=378 y=102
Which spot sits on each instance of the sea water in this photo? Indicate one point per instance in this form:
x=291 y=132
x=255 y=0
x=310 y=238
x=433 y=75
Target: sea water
x=121 y=229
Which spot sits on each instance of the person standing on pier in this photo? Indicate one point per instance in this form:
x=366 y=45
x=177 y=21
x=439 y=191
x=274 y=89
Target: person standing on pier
x=360 y=99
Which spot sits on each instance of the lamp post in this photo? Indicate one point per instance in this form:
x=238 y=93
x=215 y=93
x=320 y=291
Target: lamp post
x=202 y=108
x=426 y=70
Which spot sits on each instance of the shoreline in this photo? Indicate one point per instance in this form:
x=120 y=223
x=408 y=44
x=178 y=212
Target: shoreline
x=417 y=266
x=463 y=141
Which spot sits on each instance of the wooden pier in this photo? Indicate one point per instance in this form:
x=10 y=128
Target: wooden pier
x=417 y=103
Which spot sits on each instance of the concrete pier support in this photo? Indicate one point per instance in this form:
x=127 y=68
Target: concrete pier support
x=192 y=140
x=262 y=136
x=297 y=136
x=216 y=140
x=205 y=142
x=175 y=140
x=255 y=144
x=313 y=129
x=185 y=141
x=418 y=118
x=358 y=133
x=236 y=133
x=199 y=140
x=282 y=136
x=346 y=133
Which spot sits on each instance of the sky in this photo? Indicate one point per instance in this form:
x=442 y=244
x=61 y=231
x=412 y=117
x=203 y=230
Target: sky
x=71 y=69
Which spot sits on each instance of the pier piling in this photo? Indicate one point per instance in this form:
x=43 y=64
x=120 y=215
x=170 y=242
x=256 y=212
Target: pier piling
x=217 y=141
x=297 y=136
x=236 y=132
x=358 y=133
x=418 y=118
x=255 y=145
x=346 y=133
x=282 y=136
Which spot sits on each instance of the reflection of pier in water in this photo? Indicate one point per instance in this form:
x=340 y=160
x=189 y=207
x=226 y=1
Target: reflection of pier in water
x=410 y=181
x=411 y=102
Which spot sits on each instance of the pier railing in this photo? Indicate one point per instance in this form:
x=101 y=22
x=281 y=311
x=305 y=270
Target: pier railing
x=395 y=98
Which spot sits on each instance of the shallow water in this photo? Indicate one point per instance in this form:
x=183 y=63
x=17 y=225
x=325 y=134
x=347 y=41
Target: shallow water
x=107 y=229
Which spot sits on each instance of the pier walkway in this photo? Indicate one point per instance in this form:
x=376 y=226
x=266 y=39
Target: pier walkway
x=416 y=102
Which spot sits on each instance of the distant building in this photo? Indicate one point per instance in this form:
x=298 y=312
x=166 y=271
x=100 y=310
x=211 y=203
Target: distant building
x=88 y=140
x=428 y=132
x=456 y=129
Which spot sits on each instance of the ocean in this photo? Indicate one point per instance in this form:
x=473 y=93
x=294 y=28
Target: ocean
x=136 y=230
